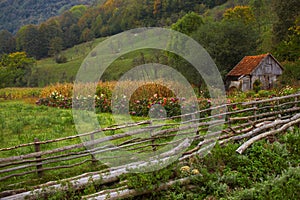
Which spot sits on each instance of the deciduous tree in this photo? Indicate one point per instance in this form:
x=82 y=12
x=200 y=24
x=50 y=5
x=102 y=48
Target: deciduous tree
x=287 y=11
x=15 y=69
x=28 y=40
x=7 y=42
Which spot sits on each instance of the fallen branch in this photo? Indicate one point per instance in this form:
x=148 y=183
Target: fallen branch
x=294 y=120
x=125 y=193
x=255 y=131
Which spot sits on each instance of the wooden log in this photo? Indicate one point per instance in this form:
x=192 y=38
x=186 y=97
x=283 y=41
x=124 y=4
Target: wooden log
x=254 y=131
x=125 y=193
x=273 y=113
x=76 y=136
x=107 y=191
x=294 y=120
x=93 y=151
x=271 y=99
x=44 y=169
x=105 y=177
x=11 y=192
x=83 y=153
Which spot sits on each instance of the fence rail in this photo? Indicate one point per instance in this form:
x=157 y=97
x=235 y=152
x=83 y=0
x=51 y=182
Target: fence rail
x=239 y=120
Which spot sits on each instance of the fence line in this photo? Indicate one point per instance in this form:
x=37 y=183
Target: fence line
x=240 y=118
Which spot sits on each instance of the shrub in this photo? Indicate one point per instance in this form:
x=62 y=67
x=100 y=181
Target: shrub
x=257 y=85
x=60 y=59
x=140 y=102
x=284 y=187
x=264 y=93
x=65 y=90
x=287 y=90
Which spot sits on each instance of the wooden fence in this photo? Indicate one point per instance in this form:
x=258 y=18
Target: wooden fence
x=242 y=120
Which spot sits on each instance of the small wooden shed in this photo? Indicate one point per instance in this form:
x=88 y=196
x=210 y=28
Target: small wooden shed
x=264 y=68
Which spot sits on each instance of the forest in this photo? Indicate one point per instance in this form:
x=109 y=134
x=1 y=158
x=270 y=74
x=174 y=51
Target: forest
x=17 y=13
x=228 y=30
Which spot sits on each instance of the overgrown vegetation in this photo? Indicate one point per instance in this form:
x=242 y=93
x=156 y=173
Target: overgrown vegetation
x=21 y=123
x=221 y=174
x=15 y=70
x=141 y=101
x=268 y=170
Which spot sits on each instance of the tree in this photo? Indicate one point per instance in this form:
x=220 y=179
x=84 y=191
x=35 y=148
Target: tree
x=48 y=31
x=243 y=13
x=71 y=36
x=287 y=12
x=289 y=49
x=78 y=10
x=227 y=42
x=87 y=35
x=15 y=69
x=264 y=15
x=213 y=3
x=70 y=29
x=7 y=42
x=188 y=24
x=96 y=26
x=28 y=40
x=56 y=45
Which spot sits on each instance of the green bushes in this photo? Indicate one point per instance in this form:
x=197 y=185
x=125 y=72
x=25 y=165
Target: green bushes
x=287 y=186
x=266 y=171
x=257 y=85
x=60 y=59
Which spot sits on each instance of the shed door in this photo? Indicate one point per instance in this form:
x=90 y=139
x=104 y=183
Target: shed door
x=246 y=84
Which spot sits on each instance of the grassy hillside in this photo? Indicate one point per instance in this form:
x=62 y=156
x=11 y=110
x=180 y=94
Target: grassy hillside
x=49 y=72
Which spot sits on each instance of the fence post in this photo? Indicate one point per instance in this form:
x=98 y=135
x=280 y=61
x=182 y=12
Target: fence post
x=94 y=160
x=39 y=166
x=255 y=113
x=153 y=140
x=278 y=107
x=229 y=109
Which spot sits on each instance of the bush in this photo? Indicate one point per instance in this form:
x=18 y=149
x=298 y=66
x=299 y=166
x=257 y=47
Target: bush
x=287 y=90
x=257 y=85
x=140 y=102
x=264 y=93
x=285 y=187
x=60 y=59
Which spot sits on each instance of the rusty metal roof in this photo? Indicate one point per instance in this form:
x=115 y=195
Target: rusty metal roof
x=247 y=65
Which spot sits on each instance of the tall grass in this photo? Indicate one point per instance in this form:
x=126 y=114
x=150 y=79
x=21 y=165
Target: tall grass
x=21 y=123
x=19 y=93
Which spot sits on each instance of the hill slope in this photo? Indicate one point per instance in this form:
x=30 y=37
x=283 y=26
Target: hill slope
x=16 y=13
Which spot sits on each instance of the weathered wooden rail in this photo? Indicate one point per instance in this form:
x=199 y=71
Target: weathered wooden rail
x=242 y=120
